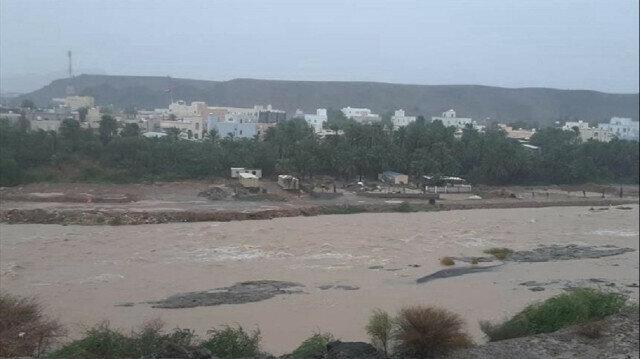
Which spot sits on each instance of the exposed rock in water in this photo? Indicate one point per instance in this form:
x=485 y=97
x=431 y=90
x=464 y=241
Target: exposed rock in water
x=244 y=292
x=352 y=350
x=455 y=272
x=618 y=339
x=338 y=286
x=556 y=252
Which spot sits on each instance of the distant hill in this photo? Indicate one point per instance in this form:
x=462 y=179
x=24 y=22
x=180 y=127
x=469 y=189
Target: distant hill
x=533 y=105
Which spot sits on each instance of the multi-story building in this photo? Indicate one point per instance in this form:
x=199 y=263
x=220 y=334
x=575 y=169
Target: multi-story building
x=449 y=119
x=586 y=132
x=362 y=115
x=180 y=109
x=622 y=128
x=317 y=120
x=399 y=119
x=191 y=126
x=270 y=115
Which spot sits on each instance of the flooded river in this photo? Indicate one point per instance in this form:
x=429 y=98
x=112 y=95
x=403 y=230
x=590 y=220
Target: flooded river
x=345 y=265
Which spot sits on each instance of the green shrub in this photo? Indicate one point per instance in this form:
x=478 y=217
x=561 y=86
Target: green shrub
x=500 y=253
x=149 y=341
x=379 y=330
x=406 y=207
x=447 y=261
x=427 y=332
x=99 y=342
x=24 y=329
x=233 y=342
x=313 y=347
x=579 y=306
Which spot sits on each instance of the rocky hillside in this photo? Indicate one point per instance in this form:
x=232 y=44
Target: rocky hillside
x=533 y=105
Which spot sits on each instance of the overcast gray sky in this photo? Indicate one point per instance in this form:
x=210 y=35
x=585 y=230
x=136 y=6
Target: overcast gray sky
x=513 y=43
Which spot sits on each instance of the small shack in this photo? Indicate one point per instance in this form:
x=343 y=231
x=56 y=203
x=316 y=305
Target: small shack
x=288 y=182
x=248 y=180
x=236 y=171
x=394 y=178
x=446 y=184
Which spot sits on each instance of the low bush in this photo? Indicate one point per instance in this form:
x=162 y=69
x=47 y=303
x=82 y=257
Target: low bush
x=579 y=306
x=427 y=332
x=313 y=347
x=233 y=342
x=406 y=207
x=500 y=253
x=447 y=261
x=379 y=329
x=24 y=329
x=591 y=330
x=149 y=341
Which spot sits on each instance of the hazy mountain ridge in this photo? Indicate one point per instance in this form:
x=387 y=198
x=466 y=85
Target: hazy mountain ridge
x=542 y=105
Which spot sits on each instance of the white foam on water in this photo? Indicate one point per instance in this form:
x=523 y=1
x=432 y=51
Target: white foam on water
x=230 y=253
x=615 y=233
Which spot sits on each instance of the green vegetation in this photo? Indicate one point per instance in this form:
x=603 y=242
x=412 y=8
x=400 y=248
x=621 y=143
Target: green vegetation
x=102 y=341
x=447 y=261
x=379 y=328
x=406 y=207
x=427 y=332
x=313 y=347
x=112 y=154
x=24 y=329
x=500 y=253
x=579 y=306
x=233 y=342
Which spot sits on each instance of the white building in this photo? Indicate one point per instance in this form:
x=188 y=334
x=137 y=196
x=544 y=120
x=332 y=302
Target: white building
x=449 y=119
x=45 y=125
x=317 y=120
x=399 y=119
x=362 y=115
x=571 y=125
x=623 y=128
x=586 y=132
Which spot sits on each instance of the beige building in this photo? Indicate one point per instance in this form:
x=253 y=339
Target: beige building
x=190 y=127
x=519 y=134
x=75 y=102
x=180 y=109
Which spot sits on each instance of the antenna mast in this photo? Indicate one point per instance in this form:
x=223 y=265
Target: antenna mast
x=70 y=67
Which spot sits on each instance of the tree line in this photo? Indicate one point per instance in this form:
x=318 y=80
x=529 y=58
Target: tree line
x=120 y=154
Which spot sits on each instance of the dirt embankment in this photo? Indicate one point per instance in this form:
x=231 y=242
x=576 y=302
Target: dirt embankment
x=130 y=217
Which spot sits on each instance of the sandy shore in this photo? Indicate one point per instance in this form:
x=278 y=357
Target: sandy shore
x=83 y=273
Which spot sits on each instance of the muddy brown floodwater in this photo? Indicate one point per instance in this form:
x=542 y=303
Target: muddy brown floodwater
x=337 y=268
